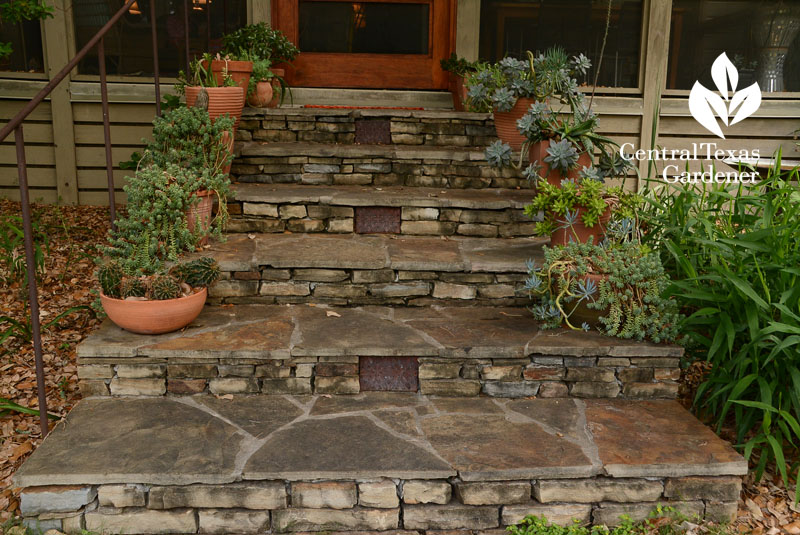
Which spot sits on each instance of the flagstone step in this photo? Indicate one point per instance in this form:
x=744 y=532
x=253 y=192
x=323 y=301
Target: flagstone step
x=300 y=349
x=386 y=126
x=356 y=269
x=370 y=164
x=373 y=462
x=368 y=209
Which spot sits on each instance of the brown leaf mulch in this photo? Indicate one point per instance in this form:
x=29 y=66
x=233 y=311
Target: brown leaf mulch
x=766 y=507
x=74 y=233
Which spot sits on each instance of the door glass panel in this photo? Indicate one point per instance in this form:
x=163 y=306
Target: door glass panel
x=511 y=27
x=128 y=44
x=761 y=39
x=364 y=27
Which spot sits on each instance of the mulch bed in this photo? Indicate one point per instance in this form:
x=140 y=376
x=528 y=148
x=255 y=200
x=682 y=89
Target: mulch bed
x=766 y=507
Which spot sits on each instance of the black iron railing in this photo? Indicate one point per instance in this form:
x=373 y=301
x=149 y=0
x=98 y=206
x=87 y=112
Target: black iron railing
x=15 y=125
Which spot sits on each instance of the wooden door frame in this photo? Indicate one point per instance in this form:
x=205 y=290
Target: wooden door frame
x=396 y=71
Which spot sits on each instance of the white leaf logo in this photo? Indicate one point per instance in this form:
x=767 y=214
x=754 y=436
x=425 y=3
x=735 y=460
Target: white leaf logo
x=706 y=106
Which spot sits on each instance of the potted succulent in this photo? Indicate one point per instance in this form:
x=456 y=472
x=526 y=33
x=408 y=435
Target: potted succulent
x=616 y=287
x=459 y=70
x=261 y=42
x=202 y=90
x=260 y=91
x=579 y=210
x=188 y=138
x=510 y=86
x=158 y=303
x=237 y=67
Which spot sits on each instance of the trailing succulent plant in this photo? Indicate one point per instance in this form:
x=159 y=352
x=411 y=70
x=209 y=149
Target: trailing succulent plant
x=180 y=281
x=457 y=65
x=561 y=205
x=628 y=297
x=539 y=77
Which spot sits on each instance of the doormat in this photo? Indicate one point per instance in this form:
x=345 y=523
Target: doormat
x=362 y=107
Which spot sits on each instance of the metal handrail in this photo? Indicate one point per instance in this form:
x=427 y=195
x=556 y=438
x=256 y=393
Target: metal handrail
x=15 y=125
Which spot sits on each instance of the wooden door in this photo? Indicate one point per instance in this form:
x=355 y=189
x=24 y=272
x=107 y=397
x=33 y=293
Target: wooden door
x=380 y=44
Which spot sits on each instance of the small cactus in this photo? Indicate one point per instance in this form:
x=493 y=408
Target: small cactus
x=202 y=272
x=164 y=287
x=132 y=287
x=110 y=276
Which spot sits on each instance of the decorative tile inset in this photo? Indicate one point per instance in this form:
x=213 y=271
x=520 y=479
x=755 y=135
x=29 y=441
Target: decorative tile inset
x=377 y=219
x=389 y=374
x=373 y=131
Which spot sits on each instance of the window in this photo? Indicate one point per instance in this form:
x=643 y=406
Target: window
x=509 y=28
x=759 y=37
x=128 y=45
x=364 y=27
x=26 y=40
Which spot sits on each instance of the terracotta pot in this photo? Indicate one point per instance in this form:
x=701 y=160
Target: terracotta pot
x=221 y=100
x=538 y=152
x=579 y=232
x=154 y=317
x=458 y=89
x=584 y=314
x=198 y=217
x=505 y=122
x=239 y=71
x=261 y=96
x=276 y=88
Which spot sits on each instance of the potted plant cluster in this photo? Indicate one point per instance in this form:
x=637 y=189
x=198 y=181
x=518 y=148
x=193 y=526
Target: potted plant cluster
x=169 y=213
x=266 y=48
x=156 y=303
x=510 y=86
x=459 y=70
x=616 y=286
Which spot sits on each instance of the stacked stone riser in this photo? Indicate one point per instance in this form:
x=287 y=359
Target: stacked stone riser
x=406 y=127
x=375 y=171
x=315 y=217
x=369 y=287
x=535 y=375
x=422 y=506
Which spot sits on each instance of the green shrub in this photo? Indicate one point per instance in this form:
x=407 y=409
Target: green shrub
x=734 y=251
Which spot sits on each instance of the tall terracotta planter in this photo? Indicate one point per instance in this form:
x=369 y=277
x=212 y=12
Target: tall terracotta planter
x=239 y=71
x=221 y=100
x=505 y=122
x=578 y=232
x=538 y=152
x=154 y=317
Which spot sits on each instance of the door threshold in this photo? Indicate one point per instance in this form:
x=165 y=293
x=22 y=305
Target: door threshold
x=372 y=98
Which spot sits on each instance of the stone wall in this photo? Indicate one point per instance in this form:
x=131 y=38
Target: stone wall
x=403 y=127
x=414 y=506
x=319 y=216
x=631 y=377
x=369 y=287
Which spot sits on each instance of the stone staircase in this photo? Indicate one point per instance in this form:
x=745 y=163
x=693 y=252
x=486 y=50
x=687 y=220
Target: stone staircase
x=367 y=364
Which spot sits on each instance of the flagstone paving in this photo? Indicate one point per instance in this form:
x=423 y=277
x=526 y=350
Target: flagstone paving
x=371 y=435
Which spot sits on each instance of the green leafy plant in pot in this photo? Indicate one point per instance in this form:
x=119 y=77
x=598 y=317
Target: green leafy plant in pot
x=260 y=92
x=261 y=42
x=579 y=210
x=616 y=286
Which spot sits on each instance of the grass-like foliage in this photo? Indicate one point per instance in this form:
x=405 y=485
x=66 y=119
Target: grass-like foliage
x=734 y=251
